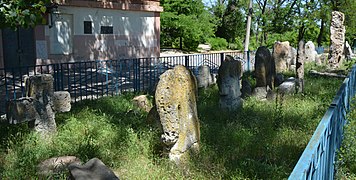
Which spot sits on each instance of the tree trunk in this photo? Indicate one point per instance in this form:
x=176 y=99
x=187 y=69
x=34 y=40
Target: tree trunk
x=320 y=36
x=248 y=28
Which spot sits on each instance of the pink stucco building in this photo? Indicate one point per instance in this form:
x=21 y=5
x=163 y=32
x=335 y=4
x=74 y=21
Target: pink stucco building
x=83 y=30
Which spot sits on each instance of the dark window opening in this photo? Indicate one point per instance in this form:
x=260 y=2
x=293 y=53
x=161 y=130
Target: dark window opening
x=87 y=27
x=106 y=30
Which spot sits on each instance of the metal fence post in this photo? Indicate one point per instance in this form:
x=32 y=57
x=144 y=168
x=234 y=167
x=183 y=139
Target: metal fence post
x=222 y=56
x=187 y=62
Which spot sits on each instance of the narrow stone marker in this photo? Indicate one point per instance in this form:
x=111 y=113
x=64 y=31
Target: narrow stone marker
x=265 y=73
x=229 y=75
x=300 y=67
x=175 y=97
x=204 y=77
x=337 y=38
x=40 y=105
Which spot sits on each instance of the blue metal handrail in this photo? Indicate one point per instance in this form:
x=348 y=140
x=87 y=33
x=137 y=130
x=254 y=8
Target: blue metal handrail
x=318 y=158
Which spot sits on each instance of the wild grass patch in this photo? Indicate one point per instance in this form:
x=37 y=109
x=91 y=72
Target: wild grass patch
x=264 y=140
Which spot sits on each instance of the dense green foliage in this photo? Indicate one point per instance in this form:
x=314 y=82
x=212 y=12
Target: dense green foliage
x=262 y=141
x=22 y=13
x=217 y=43
x=273 y=20
x=184 y=24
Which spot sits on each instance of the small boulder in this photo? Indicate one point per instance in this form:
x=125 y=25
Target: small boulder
x=56 y=165
x=260 y=93
x=142 y=102
x=93 y=169
x=287 y=87
x=61 y=101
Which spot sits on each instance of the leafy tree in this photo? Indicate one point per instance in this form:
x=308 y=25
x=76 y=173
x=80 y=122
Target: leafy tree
x=185 y=23
x=231 y=22
x=22 y=13
x=348 y=8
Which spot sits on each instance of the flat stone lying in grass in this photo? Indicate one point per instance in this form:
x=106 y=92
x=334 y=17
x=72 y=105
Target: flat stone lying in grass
x=56 y=165
x=287 y=87
x=175 y=97
x=93 y=169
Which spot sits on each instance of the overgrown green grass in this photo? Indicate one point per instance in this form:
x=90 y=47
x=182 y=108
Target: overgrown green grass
x=262 y=141
x=346 y=156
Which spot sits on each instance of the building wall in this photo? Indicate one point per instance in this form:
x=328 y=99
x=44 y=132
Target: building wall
x=135 y=34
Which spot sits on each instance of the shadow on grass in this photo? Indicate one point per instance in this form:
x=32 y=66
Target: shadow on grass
x=265 y=139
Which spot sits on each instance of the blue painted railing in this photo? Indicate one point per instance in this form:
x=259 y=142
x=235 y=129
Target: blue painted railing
x=318 y=159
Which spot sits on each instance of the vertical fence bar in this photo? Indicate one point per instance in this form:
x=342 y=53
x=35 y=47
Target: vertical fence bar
x=186 y=63
x=222 y=56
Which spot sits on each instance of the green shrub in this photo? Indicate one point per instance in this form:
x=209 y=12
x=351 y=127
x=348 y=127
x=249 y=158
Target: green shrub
x=217 y=43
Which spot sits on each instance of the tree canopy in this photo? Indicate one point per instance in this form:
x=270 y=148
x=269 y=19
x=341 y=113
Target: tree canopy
x=273 y=20
x=22 y=13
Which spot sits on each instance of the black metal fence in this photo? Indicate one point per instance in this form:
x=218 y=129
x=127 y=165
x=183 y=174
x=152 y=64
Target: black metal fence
x=94 y=79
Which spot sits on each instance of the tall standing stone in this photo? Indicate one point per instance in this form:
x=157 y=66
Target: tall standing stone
x=40 y=88
x=265 y=73
x=337 y=37
x=281 y=54
x=264 y=68
x=300 y=67
x=175 y=99
x=228 y=81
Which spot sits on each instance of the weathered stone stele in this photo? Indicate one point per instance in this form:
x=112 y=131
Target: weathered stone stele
x=228 y=81
x=264 y=68
x=204 y=77
x=337 y=37
x=175 y=99
x=40 y=105
x=283 y=55
x=40 y=88
x=310 y=53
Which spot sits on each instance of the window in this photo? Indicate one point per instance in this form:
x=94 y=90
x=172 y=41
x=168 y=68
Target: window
x=106 y=30
x=87 y=27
